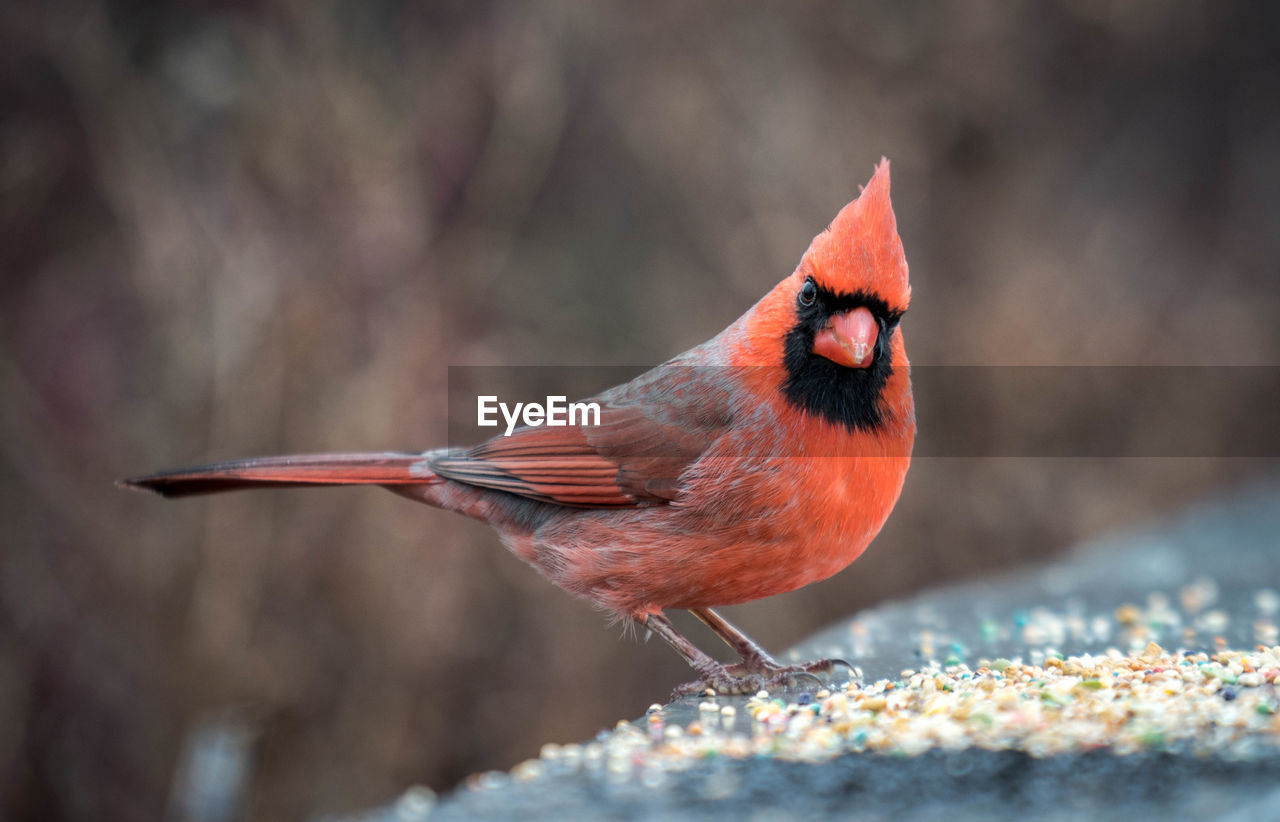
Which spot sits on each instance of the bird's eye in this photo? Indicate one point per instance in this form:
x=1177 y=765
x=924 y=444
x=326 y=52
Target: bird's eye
x=808 y=293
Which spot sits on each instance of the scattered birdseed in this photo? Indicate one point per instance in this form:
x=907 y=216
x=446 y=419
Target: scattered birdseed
x=1127 y=614
x=1129 y=694
x=1222 y=704
x=1199 y=595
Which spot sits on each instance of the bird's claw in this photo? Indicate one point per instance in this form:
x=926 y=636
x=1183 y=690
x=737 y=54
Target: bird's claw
x=722 y=682
x=827 y=666
x=758 y=675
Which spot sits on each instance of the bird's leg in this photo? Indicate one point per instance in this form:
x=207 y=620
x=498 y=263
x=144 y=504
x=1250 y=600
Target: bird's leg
x=756 y=660
x=714 y=675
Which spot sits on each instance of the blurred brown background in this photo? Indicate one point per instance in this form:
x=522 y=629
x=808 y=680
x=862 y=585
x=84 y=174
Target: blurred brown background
x=231 y=228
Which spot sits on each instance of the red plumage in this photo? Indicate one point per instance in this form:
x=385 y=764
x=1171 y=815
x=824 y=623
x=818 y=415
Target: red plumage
x=760 y=461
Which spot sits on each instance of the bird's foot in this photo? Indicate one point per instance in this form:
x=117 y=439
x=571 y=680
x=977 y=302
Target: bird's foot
x=759 y=674
x=723 y=681
x=767 y=665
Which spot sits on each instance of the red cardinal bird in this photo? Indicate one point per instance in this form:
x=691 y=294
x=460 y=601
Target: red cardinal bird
x=762 y=460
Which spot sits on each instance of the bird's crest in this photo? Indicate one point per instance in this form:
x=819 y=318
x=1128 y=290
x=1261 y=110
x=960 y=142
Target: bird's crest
x=861 y=251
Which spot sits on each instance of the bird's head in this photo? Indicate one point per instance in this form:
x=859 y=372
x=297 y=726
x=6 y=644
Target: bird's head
x=851 y=286
x=835 y=319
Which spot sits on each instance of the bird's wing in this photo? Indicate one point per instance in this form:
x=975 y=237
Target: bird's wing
x=650 y=431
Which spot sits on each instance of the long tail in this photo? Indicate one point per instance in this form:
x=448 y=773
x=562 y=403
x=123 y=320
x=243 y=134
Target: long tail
x=283 y=472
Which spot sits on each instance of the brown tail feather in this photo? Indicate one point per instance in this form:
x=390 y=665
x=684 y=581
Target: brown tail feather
x=283 y=472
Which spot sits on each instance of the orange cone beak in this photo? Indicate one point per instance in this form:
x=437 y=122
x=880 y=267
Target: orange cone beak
x=849 y=338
